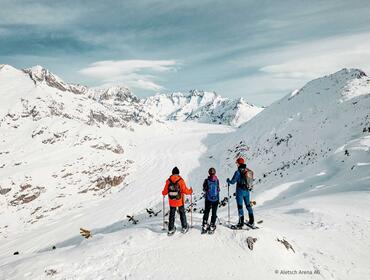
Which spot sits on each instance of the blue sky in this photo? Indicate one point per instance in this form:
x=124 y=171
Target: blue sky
x=260 y=50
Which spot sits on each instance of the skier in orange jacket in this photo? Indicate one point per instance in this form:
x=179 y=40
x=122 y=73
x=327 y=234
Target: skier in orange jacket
x=176 y=190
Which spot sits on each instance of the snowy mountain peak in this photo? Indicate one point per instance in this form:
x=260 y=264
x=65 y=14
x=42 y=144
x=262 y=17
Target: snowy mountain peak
x=117 y=93
x=38 y=70
x=241 y=101
x=202 y=93
x=7 y=68
x=41 y=74
x=203 y=106
x=199 y=96
x=333 y=86
x=340 y=77
x=349 y=73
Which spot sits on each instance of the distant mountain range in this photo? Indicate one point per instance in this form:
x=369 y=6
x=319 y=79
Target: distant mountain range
x=116 y=106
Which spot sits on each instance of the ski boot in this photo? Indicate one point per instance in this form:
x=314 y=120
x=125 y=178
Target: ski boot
x=251 y=221
x=212 y=229
x=171 y=232
x=185 y=229
x=204 y=228
x=241 y=222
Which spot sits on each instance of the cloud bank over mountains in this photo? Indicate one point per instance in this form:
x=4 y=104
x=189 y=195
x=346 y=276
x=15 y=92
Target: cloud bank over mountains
x=140 y=74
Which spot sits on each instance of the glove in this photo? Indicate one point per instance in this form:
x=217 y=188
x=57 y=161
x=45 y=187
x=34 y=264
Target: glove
x=228 y=180
x=191 y=190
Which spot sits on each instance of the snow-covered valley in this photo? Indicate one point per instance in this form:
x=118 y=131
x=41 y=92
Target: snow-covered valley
x=77 y=158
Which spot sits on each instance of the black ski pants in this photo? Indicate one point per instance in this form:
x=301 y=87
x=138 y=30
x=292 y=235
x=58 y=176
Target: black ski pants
x=171 y=223
x=207 y=208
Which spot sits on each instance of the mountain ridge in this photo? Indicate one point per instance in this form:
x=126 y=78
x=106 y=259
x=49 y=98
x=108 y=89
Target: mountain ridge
x=195 y=105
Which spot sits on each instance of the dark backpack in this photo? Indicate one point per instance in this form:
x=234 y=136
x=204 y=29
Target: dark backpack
x=246 y=178
x=212 y=190
x=174 y=191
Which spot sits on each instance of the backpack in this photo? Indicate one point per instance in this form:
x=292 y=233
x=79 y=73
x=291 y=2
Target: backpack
x=246 y=178
x=174 y=191
x=212 y=190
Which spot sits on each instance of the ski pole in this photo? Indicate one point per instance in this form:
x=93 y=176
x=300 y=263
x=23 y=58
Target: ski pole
x=191 y=210
x=228 y=203
x=163 y=228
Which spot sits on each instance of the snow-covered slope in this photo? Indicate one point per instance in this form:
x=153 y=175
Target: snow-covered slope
x=61 y=145
x=308 y=126
x=310 y=152
x=311 y=155
x=206 y=107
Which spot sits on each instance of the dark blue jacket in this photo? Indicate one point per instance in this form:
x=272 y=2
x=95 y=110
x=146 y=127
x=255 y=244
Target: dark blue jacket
x=237 y=176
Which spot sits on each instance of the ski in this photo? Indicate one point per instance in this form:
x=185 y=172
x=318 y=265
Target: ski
x=235 y=227
x=151 y=212
x=245 y=227
x=132 y=219
x=252 y=227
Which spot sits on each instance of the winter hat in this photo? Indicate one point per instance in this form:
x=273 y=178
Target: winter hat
x=175 y=171
x=240 y=160
x=212 y=171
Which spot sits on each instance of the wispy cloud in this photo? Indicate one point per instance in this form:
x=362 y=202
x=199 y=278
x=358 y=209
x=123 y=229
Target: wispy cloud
x=313 y=59
x=283 y=69
x=140 y=74
x=256 y=49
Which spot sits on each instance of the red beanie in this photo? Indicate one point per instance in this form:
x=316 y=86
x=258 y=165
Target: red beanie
x=240 y=160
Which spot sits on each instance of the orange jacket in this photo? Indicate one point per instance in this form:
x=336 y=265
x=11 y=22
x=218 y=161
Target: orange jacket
x=184 y=190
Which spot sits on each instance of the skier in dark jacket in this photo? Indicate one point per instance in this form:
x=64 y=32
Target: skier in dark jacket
x=242 y=194
x=211 y=189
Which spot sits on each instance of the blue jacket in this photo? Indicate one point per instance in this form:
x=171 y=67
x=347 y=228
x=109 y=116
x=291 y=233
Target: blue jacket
x=237 y=176
x=212 y=178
